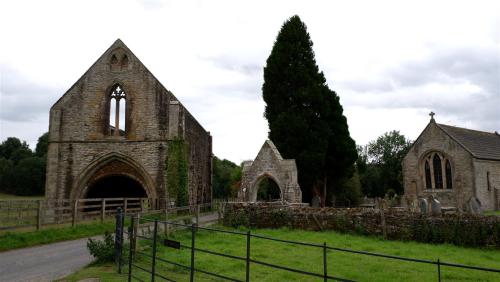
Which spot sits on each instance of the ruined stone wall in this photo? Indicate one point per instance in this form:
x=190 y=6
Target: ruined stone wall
x=487 y=193
x=434 y=139
x=79 y=130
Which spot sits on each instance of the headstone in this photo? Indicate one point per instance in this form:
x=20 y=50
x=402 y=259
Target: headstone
x=474 y=206
x=316 y=202
x=424 y=206
x=435 y=207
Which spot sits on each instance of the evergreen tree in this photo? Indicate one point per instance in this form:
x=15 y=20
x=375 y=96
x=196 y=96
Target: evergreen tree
x=305 y=117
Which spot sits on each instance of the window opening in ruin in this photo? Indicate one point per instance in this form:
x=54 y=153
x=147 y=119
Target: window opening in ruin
x=117 y=110
x=428 y=182
x=438 y=175
x=449 y=179
x=488 y=180
x=268 y=190
x=116 y=186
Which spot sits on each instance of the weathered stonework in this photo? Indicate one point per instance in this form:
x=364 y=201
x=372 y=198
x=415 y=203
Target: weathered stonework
x=84 y=148
x=470 y=170
x=270 y=164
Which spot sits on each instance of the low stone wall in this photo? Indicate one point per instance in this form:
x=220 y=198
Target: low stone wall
x=394 y=224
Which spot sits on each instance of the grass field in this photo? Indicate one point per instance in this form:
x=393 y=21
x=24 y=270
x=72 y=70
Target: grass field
x=340 y=264
x=21 y=238
x=497 y=213
x=4 y=196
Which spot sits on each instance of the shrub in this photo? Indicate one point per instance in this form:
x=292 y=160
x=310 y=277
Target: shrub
x=102 y=251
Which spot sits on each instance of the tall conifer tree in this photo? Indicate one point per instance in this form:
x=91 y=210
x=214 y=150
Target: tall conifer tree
x=305 y=118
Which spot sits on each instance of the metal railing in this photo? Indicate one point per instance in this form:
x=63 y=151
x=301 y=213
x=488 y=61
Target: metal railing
x=133 y=236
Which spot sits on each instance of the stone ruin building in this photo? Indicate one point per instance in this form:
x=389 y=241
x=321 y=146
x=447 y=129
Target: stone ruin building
x=459 y=167
x=270 y=165
x=110 y=135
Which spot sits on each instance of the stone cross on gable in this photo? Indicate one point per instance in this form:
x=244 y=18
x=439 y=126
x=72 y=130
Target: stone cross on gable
x=432 y=115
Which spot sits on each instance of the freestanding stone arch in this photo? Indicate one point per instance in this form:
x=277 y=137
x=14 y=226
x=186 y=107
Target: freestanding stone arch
x=270 y=164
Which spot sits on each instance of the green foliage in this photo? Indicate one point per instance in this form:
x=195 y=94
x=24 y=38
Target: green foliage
x=305 y=118
x=177 y=165
x=226 y=175
x=102 y=251
x=379 y=164
x=349 y=193
x=268 y=190
x=21 y=171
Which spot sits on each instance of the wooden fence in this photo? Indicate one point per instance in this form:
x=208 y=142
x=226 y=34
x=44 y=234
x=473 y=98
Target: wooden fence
x=36 y=213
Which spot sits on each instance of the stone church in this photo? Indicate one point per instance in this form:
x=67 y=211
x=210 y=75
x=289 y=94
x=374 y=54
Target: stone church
x=110 y=135
x=455 y=165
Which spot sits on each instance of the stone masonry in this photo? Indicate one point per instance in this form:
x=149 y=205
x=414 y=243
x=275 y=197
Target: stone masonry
x=474 y=160
x=84 y=147
x=270 y=164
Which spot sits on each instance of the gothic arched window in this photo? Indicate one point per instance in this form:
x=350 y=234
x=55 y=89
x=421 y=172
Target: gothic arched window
x=428 y=181
x=437 y=171
x=117 y=110
x=449 y=182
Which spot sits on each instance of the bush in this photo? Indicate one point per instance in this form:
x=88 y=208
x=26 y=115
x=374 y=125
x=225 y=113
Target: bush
x=102 y=251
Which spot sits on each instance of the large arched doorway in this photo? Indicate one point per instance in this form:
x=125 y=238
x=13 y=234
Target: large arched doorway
x=116 y=186
x=268 y=190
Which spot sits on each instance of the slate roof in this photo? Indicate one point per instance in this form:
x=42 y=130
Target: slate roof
x=482 y=145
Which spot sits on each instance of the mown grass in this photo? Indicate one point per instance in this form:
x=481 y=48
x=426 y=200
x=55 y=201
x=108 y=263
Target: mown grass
x=497 y=213
x=4 y=196
x=340 y=264
x=21 y=239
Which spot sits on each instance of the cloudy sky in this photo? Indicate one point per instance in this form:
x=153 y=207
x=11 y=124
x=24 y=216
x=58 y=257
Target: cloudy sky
x=390 y=62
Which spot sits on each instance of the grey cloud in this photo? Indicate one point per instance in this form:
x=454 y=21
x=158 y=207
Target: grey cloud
x=22 y=99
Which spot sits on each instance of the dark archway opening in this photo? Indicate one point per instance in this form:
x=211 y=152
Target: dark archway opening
x=116 y=186
x=268 y=190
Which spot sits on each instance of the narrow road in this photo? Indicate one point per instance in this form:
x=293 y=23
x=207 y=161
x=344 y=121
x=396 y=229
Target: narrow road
x=52 y=261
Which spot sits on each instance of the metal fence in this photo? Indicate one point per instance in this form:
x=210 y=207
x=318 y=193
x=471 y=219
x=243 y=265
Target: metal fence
x=127 y=256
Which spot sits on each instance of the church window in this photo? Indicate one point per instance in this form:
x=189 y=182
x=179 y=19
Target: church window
x=449 y=179
x=117 y=110
x=428 y=182
x=438 y=172
x=124 y=61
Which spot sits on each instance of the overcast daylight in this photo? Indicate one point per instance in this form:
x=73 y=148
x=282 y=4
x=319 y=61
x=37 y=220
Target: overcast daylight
x=391 y=63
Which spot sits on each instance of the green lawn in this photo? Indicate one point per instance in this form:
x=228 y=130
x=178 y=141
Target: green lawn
x=21 y=238
x=4 y=196
x=340 y=264
x=497 y=213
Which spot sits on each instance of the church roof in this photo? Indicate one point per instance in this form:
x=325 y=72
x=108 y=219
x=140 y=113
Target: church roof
x=482 y=145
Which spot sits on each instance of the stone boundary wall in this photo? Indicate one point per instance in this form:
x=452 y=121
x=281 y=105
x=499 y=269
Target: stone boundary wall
x=393 y=224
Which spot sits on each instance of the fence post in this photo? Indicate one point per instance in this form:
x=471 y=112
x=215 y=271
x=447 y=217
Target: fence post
x=248 y=257
x=103 y=209
x=439 y=271
x=75 y=213
x=38 y=215
x=131 y=237
x=325 y=273
x=193 y=235
x=153 y=267
x=166 y=226
x=119 y=238
x=125 y=203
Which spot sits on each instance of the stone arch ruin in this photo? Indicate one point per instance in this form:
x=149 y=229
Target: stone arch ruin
x=270 y=164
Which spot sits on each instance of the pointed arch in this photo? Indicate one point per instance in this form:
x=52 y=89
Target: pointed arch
x=428 y=181
x=117 y=108
x=97 y=169
x=438 y=171
x=449 y=177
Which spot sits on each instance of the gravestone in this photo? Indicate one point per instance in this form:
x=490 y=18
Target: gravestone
x=316 y=202
x=424 y=206
x=435 y=206
x=474 y=206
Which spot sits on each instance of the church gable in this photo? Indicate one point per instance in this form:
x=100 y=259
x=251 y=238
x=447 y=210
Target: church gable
x=117 y=90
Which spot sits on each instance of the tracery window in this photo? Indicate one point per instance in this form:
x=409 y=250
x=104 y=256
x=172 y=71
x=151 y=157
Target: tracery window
x=437 y=171
x=117 y=110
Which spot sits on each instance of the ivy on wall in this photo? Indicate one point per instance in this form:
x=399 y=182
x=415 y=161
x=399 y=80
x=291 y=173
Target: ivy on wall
x=177 y=165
